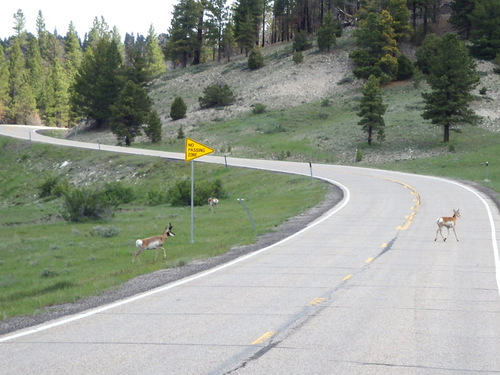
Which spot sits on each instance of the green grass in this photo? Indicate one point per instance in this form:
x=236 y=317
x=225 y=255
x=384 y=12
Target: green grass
x=46 y=261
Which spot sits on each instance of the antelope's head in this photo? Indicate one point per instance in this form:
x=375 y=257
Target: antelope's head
x=456 y=213
x=168 y=230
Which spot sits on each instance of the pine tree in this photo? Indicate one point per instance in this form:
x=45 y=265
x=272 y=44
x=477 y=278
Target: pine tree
x=183 y=42
x=372 y=109
x=98 y=82
x=153 y=54
x=22 y=103
x=485 y=36
x=460 y=11
x=452 y=76
x=57 y=104
x=327 y=32
x=153 y=127
x=130 y=111
x=4 y=85
x=178 y=109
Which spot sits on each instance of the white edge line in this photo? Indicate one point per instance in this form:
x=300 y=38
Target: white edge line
x=43 y=327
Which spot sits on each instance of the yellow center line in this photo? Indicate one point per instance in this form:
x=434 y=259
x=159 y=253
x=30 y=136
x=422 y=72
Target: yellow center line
x=347 y=277
x=263 y=338
x=369 y=260
x=315 y=301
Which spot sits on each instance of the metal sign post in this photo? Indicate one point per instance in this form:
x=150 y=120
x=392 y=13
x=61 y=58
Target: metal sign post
x=194 y=150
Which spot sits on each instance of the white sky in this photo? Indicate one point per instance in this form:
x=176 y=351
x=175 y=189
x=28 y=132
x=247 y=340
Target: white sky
x=128 y=16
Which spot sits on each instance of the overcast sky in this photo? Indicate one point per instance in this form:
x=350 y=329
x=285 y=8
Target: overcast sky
x=128 y=16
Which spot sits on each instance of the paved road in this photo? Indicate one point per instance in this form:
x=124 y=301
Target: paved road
x=363 y=290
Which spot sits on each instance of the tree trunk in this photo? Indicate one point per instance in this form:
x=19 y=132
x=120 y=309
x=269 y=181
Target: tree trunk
x=370 y=132
x=446 y=138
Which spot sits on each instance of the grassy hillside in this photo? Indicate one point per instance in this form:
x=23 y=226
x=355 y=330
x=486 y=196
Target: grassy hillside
x=311 y=116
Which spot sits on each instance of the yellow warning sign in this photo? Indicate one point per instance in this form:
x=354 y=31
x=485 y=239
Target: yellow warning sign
x=195 y=150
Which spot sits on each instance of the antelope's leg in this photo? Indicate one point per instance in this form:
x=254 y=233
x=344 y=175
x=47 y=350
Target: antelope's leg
x=164 y=253
x=455 y=233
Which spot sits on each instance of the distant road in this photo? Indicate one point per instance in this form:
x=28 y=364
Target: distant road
x=365 y=289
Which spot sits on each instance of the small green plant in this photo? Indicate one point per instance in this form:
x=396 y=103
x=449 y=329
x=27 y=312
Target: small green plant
x=218 y=95
x=298 y=57
x=117 y=193
x=258 y=109
x=255 y=60
x=178 y=109
x=180 y=133
x=483 y=90
x=157 y=197
x=359 y=155
x=106 y=232
x=301 y=41
x=325 y=103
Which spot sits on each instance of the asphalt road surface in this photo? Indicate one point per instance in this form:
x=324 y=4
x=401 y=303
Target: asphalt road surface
x=364 y=289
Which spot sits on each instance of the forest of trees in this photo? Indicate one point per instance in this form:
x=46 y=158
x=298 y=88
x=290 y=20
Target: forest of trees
x=58 y=80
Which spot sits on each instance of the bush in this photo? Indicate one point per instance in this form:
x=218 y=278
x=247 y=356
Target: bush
x=116 y=193
x=180 y=194
x=218 y=95
x=301 y=42
x=157 y=197
x=86 y=204
x=178 y=109
x=105 y=232
x=51 y=186
x=405 y=68
x=255 y=60
x=258 y=109
x=298 y=57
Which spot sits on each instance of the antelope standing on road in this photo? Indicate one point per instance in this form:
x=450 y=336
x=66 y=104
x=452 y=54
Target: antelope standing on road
x=448 y=222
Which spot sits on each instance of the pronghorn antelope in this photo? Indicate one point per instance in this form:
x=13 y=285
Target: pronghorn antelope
x=213 y=202
x=448 y=222
x=153 y=243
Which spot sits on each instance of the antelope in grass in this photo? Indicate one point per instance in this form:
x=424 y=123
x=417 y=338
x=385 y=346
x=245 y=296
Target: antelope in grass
x=213 y=202
x=448 y=222
x=153 y=243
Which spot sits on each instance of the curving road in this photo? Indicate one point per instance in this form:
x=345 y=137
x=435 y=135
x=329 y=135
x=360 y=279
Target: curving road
x=363 y=290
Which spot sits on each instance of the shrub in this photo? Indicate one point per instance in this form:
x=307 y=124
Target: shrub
x=86 y=204
x=51 y=186
x=105 y=231
x=301 y=42
x=218 y=95
x=298 y=57
x=178 y=109
x=258 y=109
x=405 y=68
x=180 y=133
x=157 y=197
x=180 y=194
x=255 y=60
x=116 y=193
x=325 y=102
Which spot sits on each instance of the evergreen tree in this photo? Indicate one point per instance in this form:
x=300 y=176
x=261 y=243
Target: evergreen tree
x=98 y=82
x=377 y=47
x=372 y=109
x=460 y=11
x=178 y=109
x=426 y=53
x=327 y=33
x=19 y=22
x=153 y=127
x=22 y=103
x=57 y=104
x=4 y=85
x=130 y=111
x=183 y=42
x=452 y=76
x=153 y=54
x=247 y=15
x=485 y=36
x=401 y=16
x=228 y=41
x=36 y=73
